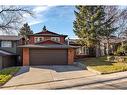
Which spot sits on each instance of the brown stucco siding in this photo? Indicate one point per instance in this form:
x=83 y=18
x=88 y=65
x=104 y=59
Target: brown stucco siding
x=25 y=56
x=70 y=56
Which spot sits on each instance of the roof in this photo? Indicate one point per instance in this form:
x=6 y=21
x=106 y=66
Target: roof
x=47 y=46
x=5 y=53
x=48 y=33
x=72 y=42
x=9 y=37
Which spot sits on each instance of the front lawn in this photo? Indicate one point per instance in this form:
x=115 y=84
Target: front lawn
x=102 y=65
x=7 y=74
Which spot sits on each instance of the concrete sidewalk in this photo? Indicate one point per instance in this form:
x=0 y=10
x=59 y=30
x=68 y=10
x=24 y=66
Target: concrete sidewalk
x=66 y=80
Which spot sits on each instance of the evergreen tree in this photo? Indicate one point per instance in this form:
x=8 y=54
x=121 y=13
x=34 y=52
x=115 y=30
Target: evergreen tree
x=25 y=31
x=88 y=24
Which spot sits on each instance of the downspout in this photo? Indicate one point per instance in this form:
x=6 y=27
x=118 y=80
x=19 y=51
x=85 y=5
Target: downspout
x=68 y=41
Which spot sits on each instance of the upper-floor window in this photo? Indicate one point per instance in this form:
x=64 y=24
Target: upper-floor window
x=6 y=44
x=57 y=39
x=38 y=39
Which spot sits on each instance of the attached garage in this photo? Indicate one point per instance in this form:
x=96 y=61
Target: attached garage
x=48 y=56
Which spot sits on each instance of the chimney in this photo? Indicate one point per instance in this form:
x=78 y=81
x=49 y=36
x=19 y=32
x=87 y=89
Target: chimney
x=44 y=28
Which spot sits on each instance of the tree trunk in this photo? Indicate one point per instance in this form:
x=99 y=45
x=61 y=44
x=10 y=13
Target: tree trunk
x=107 y=49
x=98 y=50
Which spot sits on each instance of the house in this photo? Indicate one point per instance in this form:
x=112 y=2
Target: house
x=47 y=48
x=84 y=51
x=9 y=43
x=8 y=50
x=81 y=51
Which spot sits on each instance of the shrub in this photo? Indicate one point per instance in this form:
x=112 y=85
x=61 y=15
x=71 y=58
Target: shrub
x=120 y=51
x=7 y=74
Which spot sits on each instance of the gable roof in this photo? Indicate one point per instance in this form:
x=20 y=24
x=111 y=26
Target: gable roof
x=9 y=37
x=63 y=46
x=48 y=33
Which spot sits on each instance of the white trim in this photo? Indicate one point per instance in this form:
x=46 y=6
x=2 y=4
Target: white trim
x=37 y=39
x=57 y=39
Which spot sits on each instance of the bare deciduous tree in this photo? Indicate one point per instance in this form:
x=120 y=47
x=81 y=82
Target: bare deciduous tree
x=11 y=17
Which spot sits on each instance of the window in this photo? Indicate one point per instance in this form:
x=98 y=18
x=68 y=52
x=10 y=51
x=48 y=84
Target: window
x=6 y=44
x=57 y=39
x=38 y=39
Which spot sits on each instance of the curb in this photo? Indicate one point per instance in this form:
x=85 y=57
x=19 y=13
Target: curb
x=86 y=67
x=94 y=71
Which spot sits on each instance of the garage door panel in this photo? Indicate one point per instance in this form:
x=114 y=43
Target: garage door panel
x=48 y=57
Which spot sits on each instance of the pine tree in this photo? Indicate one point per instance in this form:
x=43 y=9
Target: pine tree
x=88 y=23
x=92 y=23
x=25 y=31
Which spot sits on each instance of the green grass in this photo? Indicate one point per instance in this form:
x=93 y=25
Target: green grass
x=7 y=74
x=102 y=65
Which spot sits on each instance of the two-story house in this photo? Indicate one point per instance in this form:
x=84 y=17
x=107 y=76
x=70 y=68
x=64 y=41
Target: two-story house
x=8 y=50
x=9 y=43
x=47 y=48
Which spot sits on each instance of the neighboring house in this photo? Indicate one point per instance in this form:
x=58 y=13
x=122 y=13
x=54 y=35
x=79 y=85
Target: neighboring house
x=9 y=43
x=47 y=48
x=8 y=50
x=84 y=51
x=114 y=42
x=7 y=59
x=81 y=51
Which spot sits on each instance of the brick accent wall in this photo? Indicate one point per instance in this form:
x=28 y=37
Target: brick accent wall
x=31 y=40
x=70 y=56
x=25 y=56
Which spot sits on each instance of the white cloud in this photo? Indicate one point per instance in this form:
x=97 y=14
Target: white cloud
x=40 y=9
x=39 y=12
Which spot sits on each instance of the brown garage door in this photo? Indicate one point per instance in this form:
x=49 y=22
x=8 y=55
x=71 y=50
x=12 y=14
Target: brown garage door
x=48 y=57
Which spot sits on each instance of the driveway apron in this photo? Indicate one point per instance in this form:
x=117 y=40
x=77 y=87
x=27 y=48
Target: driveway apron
x=30 y=77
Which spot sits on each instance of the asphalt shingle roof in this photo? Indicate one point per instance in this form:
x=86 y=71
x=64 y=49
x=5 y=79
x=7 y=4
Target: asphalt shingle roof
x=48 y=46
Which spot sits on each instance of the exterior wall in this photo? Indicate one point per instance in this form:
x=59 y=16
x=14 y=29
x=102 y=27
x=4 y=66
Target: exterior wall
x=1 y=66
x=62 y=40
x=31 y=39
x=47 y=38
x=25 y=56
x=48 y=42
x=9 y=61
x=70 y=56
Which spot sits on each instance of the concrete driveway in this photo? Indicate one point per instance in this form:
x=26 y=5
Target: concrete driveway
x=38 y=77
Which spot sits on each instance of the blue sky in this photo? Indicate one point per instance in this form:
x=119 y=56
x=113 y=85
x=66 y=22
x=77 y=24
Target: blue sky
x=58 y=19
